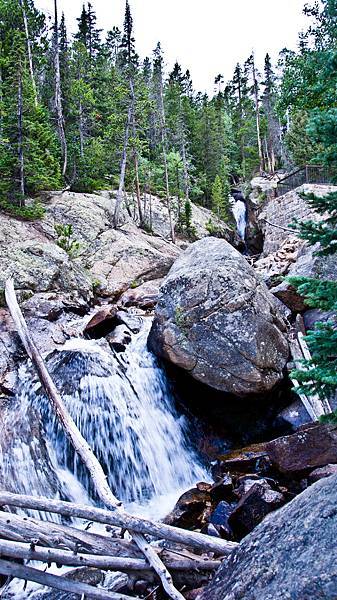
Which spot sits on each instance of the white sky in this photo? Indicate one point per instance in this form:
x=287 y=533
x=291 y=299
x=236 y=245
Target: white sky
x=208 y=37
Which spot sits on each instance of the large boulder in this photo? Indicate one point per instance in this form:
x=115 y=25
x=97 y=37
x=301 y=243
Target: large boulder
x=218 y=321
x=291 y=554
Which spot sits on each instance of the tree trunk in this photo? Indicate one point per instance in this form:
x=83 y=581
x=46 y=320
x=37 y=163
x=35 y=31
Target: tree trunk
x=81 y=132
x=29 y=52
x=164 y=144
x=20 y=139
x=258 y=119
x=119 y=198
x=58 y=94
x=135 y=152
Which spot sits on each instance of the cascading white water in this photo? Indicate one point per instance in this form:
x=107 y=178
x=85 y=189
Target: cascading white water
x=240 y=214
x=123 y=406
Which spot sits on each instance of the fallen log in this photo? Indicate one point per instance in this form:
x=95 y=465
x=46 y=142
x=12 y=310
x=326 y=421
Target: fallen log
x=27 y=529
x=24 y=551
x=192 y=539
x=56 y=581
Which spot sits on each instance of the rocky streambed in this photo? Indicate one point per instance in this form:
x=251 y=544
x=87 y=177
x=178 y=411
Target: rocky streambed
x=222 y=332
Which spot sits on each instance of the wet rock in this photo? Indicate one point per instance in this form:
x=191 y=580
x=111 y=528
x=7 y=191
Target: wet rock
x=119 y=338
x=189 y=509
x=314 y=315
x=310 y=447
x=245 y=483
x=291 y=554
x=253 y=506
x=223 y=329
x=193 y=594
x=132 y=321
x=210 y=529
x=52 y=305
x=243 y=460
x=144 y=296
x=222 y=489
x=101 y=323
x=321 y=473
x=220 y=519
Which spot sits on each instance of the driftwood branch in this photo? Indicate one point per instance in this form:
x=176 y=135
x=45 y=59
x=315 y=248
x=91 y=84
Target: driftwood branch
x=192 y=539
x=24 y=551
x=55 y=581
x=46 y=533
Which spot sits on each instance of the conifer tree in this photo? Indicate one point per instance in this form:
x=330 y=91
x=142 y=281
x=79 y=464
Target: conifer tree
x=319 y=375
x=220 y=203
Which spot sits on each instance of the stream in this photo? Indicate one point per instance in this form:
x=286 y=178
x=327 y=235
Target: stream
x=124 y=407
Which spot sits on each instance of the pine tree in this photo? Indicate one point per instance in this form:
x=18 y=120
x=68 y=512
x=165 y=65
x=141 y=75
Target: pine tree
x=220 y=203
x=319 y=375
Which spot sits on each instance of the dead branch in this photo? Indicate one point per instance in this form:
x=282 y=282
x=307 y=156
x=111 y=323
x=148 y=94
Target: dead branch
x=119 y=518
x=24 y=551
x=55 y=581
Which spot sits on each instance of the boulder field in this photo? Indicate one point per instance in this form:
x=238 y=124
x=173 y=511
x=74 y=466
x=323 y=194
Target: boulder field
x=217 y=320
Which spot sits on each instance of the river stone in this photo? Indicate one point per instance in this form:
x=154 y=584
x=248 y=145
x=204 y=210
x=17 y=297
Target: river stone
x=292 y=554
x=218 y=321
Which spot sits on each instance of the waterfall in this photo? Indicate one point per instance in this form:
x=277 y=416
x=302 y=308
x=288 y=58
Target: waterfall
x=124 y=407
x=240 y=214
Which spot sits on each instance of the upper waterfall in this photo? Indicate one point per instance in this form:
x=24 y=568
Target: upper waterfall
x=240 y=214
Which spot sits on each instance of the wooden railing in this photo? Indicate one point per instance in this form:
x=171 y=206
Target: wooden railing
x=308 y=174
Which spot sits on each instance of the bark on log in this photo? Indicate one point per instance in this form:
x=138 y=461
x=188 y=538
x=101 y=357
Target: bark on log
x=191 y=539
x=24 y=551
x=26 y=529
x=60 y=583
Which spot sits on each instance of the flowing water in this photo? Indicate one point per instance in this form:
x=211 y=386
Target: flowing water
x=124 y=407
x=240 y=214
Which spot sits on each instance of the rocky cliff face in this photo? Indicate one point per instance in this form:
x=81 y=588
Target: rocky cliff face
x=54 y=288
x=216 y=320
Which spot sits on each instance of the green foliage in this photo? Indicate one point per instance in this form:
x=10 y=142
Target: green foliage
x=30 y=212
x=66 y=240
x=324 y=232
x=319 y=375
x=303 y=149
x=220 y=199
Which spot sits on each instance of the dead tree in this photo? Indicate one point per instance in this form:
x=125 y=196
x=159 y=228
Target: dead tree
x=29 y=52
x=58 y=93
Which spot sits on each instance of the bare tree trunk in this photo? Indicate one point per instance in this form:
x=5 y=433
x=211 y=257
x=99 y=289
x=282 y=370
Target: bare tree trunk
x=135 y=152
x=164 y=150
x=1 y=101
x=55 y=581
x=186 y=175
x=29 y=52
x=81 y=130
x=242 y=139
x=58 y=94
x=258 y=118
x=120 y=518
x=119 y=198
x=20 y=139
